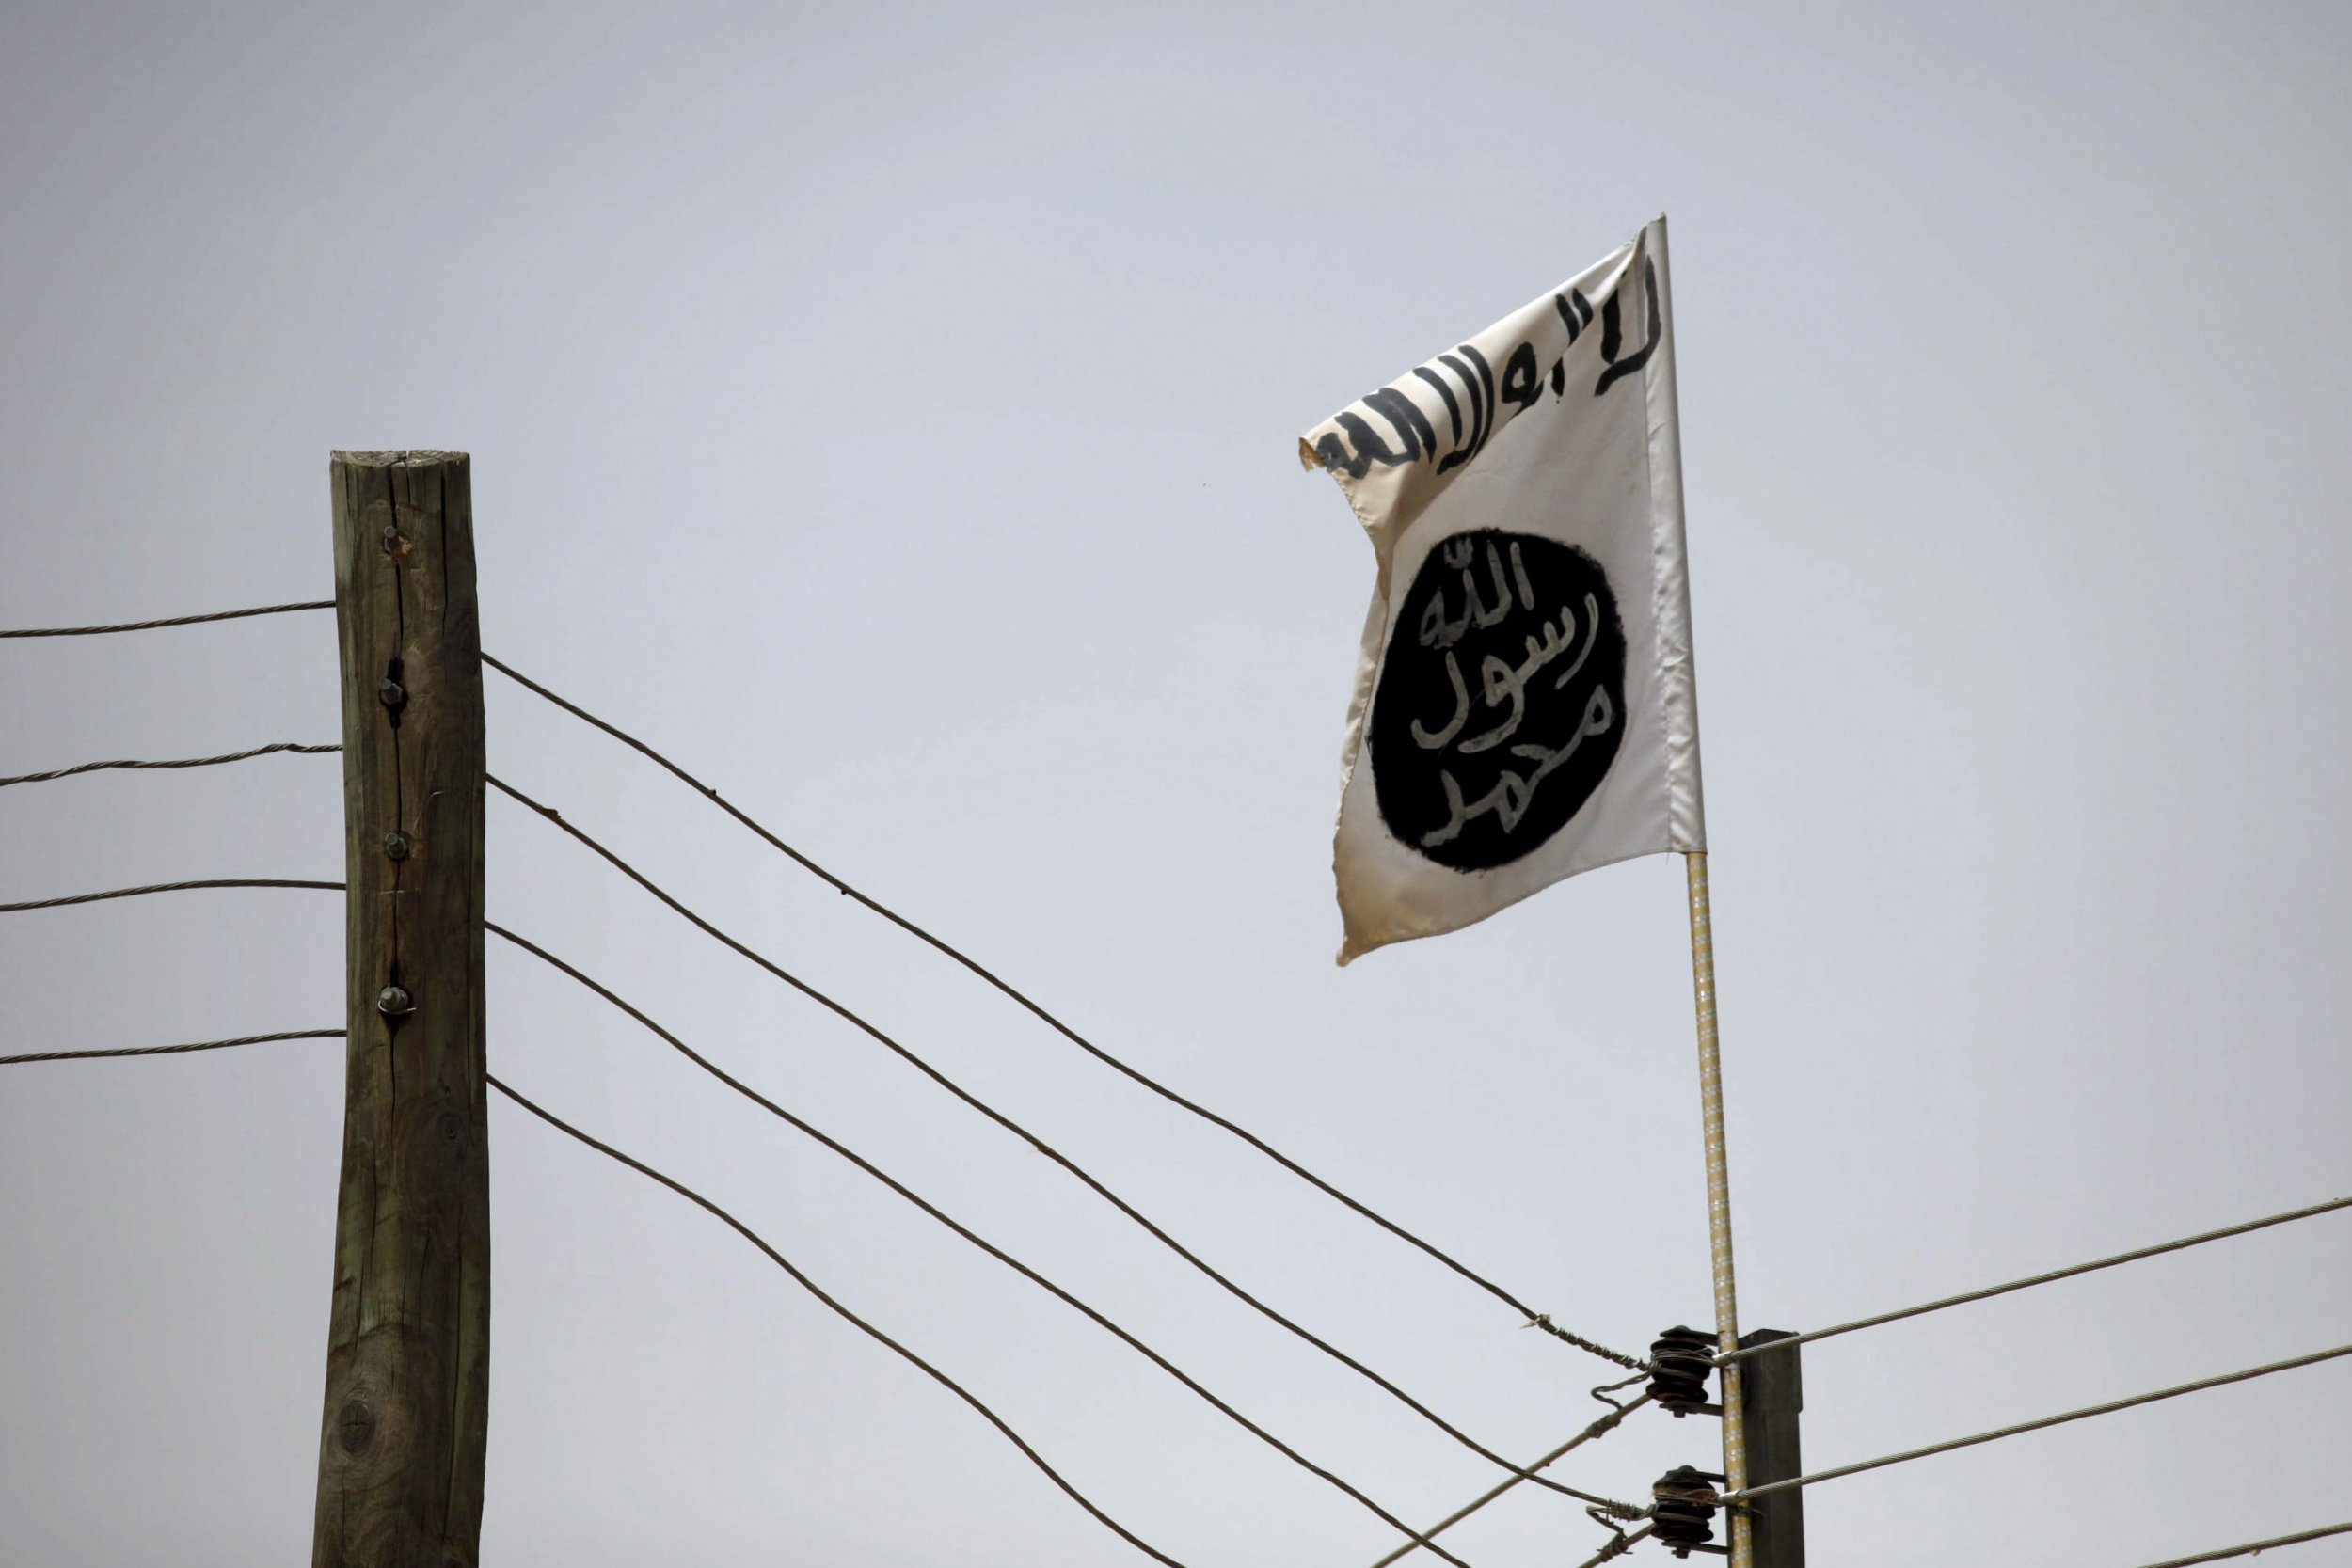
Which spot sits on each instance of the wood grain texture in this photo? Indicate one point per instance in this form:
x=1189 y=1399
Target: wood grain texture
x=407 y=1363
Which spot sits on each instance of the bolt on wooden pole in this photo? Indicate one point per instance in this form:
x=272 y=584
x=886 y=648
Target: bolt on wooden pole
x=408 y=1358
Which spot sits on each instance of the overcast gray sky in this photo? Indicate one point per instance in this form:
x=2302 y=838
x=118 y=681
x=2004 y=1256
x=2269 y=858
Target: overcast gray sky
x=890 y=410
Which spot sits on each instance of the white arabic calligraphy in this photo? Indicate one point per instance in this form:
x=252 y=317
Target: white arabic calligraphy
x=1513 y=794
x=1436 y=631
x=1500 y=681
x=1429 y=742
x=1502 y=685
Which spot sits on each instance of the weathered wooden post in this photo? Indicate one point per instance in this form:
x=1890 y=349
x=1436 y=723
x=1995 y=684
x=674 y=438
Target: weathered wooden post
x=408 y=1358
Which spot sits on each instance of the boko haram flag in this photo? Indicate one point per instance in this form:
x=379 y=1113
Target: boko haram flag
x=1524 y=705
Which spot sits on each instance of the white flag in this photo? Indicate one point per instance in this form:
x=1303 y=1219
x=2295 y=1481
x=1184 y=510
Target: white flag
x=1524 y=705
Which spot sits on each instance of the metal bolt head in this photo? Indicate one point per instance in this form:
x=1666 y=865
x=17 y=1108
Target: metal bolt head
x=390 y=537
x=396 y=846
x=392 y=1002
x=391 y=692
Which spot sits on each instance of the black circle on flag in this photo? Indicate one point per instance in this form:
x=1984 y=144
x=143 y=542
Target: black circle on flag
x=1501 y=701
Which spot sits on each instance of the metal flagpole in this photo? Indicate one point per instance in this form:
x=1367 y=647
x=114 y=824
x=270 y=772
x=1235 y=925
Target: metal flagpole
x=1718 y=1202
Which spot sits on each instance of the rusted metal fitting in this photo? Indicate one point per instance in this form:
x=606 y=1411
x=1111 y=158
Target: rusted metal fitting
x=1681 y=1360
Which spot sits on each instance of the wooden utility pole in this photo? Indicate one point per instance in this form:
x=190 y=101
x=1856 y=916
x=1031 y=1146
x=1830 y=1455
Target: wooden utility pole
x=408 y=1341
x=1775 y=1394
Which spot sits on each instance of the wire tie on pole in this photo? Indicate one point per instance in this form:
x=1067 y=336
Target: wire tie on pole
x=1543 y=1320
x=1606 y=1390
x=1621 y=1545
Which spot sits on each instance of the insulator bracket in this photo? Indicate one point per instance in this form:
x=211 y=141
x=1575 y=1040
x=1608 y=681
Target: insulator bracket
x=1683 y=1517
x=1681 y=1360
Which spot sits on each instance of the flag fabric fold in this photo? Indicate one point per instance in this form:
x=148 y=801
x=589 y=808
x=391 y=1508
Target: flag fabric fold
x=1525 y=706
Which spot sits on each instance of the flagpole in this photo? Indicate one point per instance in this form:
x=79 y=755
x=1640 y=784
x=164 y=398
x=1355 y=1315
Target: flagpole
x=1718 y=1201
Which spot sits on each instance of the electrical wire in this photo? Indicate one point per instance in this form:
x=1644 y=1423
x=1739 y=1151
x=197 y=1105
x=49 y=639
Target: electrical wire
x=164 y=887
x=1598 y=1429
x=915 y=1198
x=1618 y=1547
x=1750 y=1494
x=779 y=1260
x=183 y=762
x=173 y=621
x=920 y=1065
x=1532 y=1317
x=2133 y=1257
x=169 y=1050
x=868 y=1329
x=2252 y=1547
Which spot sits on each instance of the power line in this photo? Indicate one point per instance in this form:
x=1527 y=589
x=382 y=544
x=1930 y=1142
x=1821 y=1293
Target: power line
x=1598 y=1429
x=813 y=1289
x=1000 y=1255
x=906 y=1056
x=694 y=1198
x=945 y=1082
x=752 y=1094
x=1534 y=1317
x=169 y=1050
x=2329 y=1207
x=173 y=621
x=183 y=762
x=2253 y=1546
x=2108 y=1409
x=166 y=887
